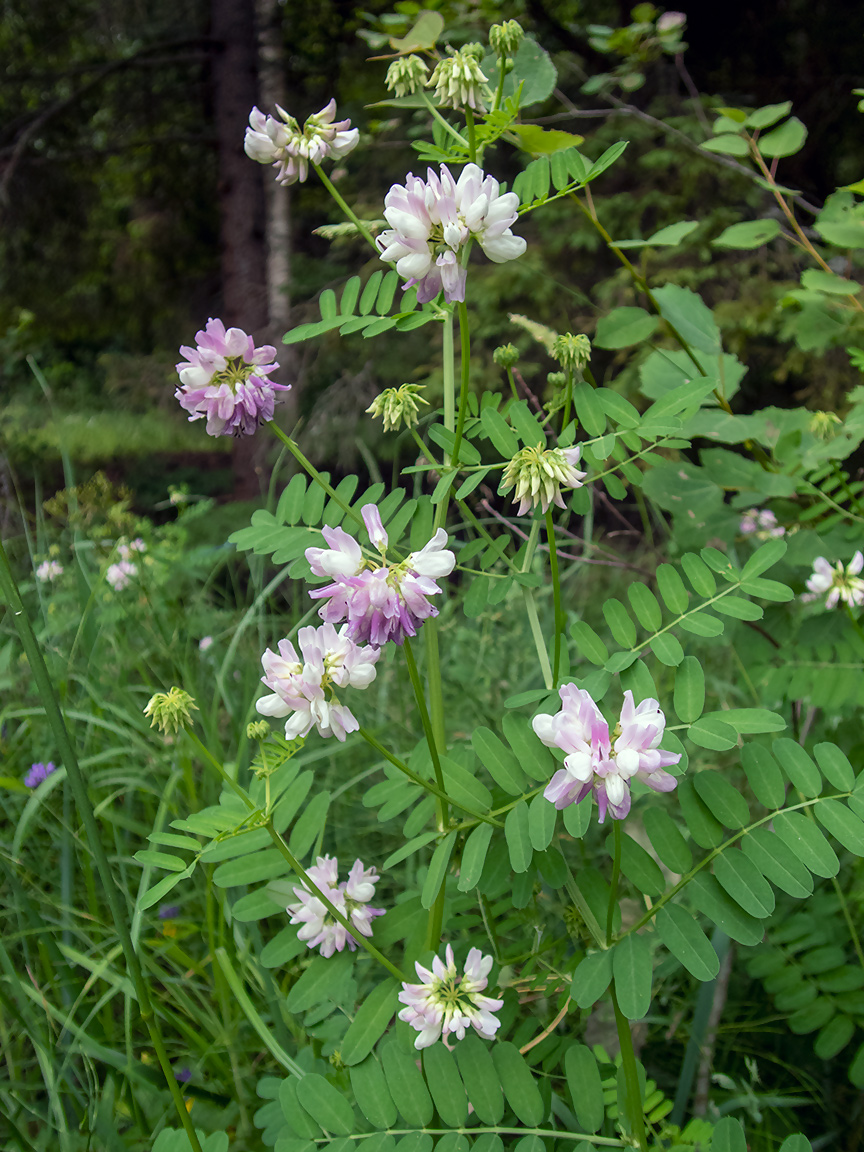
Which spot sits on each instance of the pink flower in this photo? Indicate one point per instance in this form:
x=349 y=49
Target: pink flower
x=446 y=1004
x=351 y=898
x=128 y=550
x=290 y=150
x=842 y=584
x=762 y=523
x=225 y=379
x=305 y=687
x=380 y=602
x=120 y=574
x=430 y=222
x=49 y=570
x=593 y=762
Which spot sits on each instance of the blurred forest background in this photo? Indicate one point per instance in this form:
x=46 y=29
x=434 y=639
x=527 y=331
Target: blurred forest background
x=130 y=213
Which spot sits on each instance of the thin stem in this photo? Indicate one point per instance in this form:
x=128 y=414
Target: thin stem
x=512 y=382
x=568 y=398
x=472 y=136
x=310 y=884
x=448 y=366
x=92 y=834
x=310 y=468
x=613 y=888
x=208 y=755
x=502 y=75
x=436 y=684
x=537 y=634
x=445 y=124
x=556 y=595
x=631 y=1073
x=417 y=685
x=352 y=216
x=465 y=372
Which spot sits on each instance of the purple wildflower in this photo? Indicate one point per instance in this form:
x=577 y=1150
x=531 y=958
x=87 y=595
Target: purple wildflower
x=225 y=379
x=290 y=150
x=600 y=763
x=168 y=911
x=351 y=898
x=39 y=772
x=120 y=574
x=381 y=602
x=446 y=1003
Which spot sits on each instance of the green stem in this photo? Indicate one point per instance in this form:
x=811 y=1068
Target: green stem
x=310 y=884
x=465 y=373
x=472 y=137
x=568 y=397
x=556 y=595
x=513 y=387
x=449 y=370
x=537 y=634
x=445 y=124
x=502 y=75
x=352 y=216
x=436 y=684
x=208 y=755
x=310 y=468
x=93 y=836
x=417 y=685
x=631 y=1074
x=613 y=888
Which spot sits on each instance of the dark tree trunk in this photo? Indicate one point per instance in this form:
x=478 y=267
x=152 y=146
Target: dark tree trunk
x=241 y=201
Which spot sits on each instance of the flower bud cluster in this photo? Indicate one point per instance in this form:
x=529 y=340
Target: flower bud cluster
x=572 y=352
x=170 y=711
x=398 y=406
x=459 y=81
x=406 y=75
x=538 y=475
x=505 y=38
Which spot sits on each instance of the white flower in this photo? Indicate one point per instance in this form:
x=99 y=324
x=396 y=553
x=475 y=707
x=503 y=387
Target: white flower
x=290 y=150
x=49 y=570
x=119 y=575
x=303 y=689
x=446 y=1003
x=350 y=898
x=204 y=643
x=761 y=523
x=128 y=550
x=841 y=584
x=431 y=220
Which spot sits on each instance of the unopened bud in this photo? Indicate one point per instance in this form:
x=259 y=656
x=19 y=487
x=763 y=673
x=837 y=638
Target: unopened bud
x=538 y=475
x=556 y=379
x=506 y=355
x=398 y=406
x=459 y=82
x=170 y=711
x=572 y=352
x=823 y=425
x=406 y=75
x=257 y=730
x=505 y=38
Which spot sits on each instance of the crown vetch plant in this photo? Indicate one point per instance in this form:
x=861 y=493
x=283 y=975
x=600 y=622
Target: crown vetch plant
x=518 y=913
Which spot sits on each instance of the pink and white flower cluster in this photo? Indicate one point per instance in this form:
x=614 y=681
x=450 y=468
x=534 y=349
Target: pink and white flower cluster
x=119 y=575
x=350 y=898
x=127 y=551
x=843 y=584
x=49 y=570
x=431 y=220
x=379 y=601
x=761 y=523
x=290 y=150
x=304 y=687
x=601 y=763
x=225 y=378
x=447 y=1004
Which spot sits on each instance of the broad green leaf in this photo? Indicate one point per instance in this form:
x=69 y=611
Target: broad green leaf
x=350 y=293
x=668 y=237
x=544 y=141
x=721 y=909
x=517 y=834
x=776 y=860
x=743 y=881
x=687 y=942
x=811 y=1016
x=256 y=905
x=645 y=607
x=699 y=574
x=816 y=280
x=325 y=1104
x=690 y=316
x=474 y=857
x=784 y=141
x=796 y=1143
x=704 y=829
x=723 y=800
x=591 y=978
x=299 y=1121
x=589 y=643
x=533 y=757
x=750 y=234
x=632 y=969
x=408 y=849
x=834 y=1037
x=591 y=413
x=259 y=866
x=283 y=947
x=407 y=1086
x=163 y=887
x=463 y=786
x=327 y=304
x=638 y=866
x=770 y=114
x=709 y=732
x=323 y=977
x=738 y=608
x=727 y=144
x=517 y=1081
x=808 y=843
x=437 y=870
x=835 y=766
x=764 y=776
x=310 y=824
x=499 y=432
x=842 y=824
x=689 y=697
x=667 y=649
x=623 y=327
x=667 y=841
x=702 y=624
x=764 y=557
x=532 y=68
x=370 y=1023
x=751 y=720
x=445 y=1084
x=671 y=588
x=480 y=1079
x=541 y=823
x=798 y=767
x=728 y=1136
x=620 y=624
x=423 y=33
x=499 y=761
x=586 y=1087
x=577 y=817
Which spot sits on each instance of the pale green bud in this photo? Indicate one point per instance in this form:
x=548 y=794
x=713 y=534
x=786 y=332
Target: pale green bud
x=406 y=75
x=538 y=475
x=506 y=355
x=556 y=379
x=505 y=38
x=398 y=406
x=572 y=352
x=823 y=425
x=459 y=82
x=171 y=710
x=257 y=730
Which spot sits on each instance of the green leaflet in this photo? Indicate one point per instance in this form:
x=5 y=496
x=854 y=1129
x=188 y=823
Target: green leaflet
x=407 y=1086
x=480 y=1079
x=586 y=1088
x=445 y=1085
x=687 y=942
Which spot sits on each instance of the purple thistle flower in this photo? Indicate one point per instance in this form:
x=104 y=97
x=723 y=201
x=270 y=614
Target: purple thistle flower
x=39 y=772
x=351 y=898
x=225 y=379
x=304 y=686
x=430 y=222
x=446 y=1003
x=381 y=602
x=600 y=763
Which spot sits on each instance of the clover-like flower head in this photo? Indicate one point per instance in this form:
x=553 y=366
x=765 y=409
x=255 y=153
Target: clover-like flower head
x=350 y=897
x=447 y=1003
x=291 y=149
x=538 y=475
